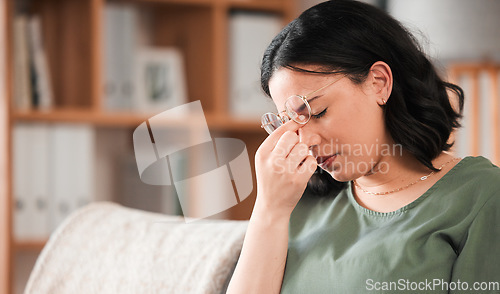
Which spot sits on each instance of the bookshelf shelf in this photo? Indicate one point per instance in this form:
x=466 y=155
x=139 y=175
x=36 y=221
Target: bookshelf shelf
x=264 y=6
x=129 y=119
x=258 y=5
x=206 y=3
x=234 y=124
x=35 y=245
x=118 y=119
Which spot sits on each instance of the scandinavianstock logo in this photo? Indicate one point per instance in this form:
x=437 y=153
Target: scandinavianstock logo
x=175 y=148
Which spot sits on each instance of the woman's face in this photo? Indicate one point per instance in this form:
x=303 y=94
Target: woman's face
x=346 y=132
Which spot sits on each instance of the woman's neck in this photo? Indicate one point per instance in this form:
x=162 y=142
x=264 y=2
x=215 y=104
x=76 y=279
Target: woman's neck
x=402 y=181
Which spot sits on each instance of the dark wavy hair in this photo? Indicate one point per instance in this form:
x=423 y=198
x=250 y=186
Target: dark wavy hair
x=349 y=37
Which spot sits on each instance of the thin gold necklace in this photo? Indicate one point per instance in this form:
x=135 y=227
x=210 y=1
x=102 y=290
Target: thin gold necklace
x=407 y=186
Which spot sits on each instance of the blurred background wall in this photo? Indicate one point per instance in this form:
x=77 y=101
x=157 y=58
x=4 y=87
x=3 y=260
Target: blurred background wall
x=453 y=30
x=449 y=30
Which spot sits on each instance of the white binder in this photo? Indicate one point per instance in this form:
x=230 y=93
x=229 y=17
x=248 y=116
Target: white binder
x=83 y=168
x=31 y=181
x=20 y=151
x=249 y=35
x=72 y=183
x=39 y=181
x=119 y=46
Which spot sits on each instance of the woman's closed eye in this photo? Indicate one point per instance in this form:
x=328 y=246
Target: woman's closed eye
x=319 y=115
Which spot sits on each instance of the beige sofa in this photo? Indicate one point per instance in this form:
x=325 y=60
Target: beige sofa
x=108 y=248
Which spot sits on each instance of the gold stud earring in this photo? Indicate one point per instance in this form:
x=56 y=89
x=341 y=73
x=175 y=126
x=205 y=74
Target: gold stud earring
x=383 y=101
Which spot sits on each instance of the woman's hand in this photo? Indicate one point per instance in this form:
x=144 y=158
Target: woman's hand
x=283 y=167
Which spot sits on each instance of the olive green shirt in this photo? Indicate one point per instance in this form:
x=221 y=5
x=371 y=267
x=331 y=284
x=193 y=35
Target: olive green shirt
x=446 y=240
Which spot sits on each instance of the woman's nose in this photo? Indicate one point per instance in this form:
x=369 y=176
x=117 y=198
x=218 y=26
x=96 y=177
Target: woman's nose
x=308 y=136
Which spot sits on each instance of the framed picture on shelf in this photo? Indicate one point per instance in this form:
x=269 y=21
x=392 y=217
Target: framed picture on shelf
x=161 y=83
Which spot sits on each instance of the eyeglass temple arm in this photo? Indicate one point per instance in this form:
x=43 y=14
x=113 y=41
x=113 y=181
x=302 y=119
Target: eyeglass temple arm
x=327 y=85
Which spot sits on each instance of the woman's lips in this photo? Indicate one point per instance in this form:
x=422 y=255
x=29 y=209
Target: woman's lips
x=326 y=162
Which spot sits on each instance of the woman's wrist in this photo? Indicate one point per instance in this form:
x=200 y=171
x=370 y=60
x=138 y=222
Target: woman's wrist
x=263 y=212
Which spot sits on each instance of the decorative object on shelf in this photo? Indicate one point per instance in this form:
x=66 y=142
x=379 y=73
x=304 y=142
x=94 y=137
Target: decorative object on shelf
x=160 y=79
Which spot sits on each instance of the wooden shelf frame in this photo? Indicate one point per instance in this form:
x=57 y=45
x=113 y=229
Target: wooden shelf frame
x=473 y=71
x=6 y=214
x=33 y=246
x=130 y=119
x=276 y=6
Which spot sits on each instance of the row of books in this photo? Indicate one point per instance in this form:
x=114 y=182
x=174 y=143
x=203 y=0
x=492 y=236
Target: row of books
x=58 y=168
x=53 y=168
x=32 y=80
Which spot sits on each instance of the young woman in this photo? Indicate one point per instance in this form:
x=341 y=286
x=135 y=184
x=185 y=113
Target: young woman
x=356 y=191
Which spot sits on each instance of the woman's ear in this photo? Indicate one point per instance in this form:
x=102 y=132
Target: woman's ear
x=380 y=80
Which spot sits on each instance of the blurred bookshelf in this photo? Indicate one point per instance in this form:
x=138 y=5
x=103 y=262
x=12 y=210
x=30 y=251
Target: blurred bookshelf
x=74 y=35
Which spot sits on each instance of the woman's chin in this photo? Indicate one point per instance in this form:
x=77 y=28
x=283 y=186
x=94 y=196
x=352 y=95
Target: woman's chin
x=338 y=174
x=341 y=177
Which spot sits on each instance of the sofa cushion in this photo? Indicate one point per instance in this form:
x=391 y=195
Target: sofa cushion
x=108 y=248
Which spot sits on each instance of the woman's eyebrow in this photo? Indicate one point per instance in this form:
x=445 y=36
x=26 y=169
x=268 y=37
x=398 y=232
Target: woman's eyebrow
x=314 y=98
x=309 y=101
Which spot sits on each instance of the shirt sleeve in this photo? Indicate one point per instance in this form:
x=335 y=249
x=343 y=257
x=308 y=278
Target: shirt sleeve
x=478 y=261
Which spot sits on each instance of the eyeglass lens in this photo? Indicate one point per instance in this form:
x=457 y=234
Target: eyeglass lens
x=295 y=107
x=270 y=122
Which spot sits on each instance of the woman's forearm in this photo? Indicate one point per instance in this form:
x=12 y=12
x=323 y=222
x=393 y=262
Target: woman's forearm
x=282 y=166
x=262 y=261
